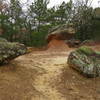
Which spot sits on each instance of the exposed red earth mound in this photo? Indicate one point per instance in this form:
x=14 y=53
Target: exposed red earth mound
x=55 y=45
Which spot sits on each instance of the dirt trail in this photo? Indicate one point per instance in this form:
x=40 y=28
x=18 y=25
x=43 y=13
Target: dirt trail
x=52 y=65
x=44 y=75
x=53 y=69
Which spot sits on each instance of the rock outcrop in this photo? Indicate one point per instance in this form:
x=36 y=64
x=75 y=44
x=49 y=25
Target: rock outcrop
x=9 y=51
x=86 y=61
x=61 y=33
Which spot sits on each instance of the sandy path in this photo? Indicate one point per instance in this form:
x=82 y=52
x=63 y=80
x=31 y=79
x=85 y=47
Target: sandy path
x=48 y=68
x=43 y=82
x=53 y=65
x=44 y=75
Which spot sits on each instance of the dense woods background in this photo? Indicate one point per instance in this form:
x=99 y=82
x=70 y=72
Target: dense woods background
x=30 y=25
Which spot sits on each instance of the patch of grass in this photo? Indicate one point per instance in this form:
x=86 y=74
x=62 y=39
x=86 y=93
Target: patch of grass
x=98 y=52
x=86 y=50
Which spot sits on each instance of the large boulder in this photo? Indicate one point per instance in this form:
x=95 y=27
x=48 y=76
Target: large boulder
x=61 y=33
x=9 y=51
x=86 y=61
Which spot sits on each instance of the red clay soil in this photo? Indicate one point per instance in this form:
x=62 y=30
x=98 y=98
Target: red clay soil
x=57 y=45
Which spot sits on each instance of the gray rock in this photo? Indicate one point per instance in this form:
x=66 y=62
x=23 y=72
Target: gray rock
x=86 y=61
x=9 y=51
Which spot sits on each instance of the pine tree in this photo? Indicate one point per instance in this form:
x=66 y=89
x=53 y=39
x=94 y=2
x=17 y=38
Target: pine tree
x=38 y=9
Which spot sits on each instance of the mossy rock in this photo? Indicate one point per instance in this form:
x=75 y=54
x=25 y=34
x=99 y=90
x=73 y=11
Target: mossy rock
x=86 y=61
x=9 y=50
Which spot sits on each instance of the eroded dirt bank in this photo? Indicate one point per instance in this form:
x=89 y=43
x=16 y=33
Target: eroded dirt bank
x=44 y=75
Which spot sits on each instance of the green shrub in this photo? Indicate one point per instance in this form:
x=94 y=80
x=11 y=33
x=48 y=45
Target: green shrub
x=39 y=38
